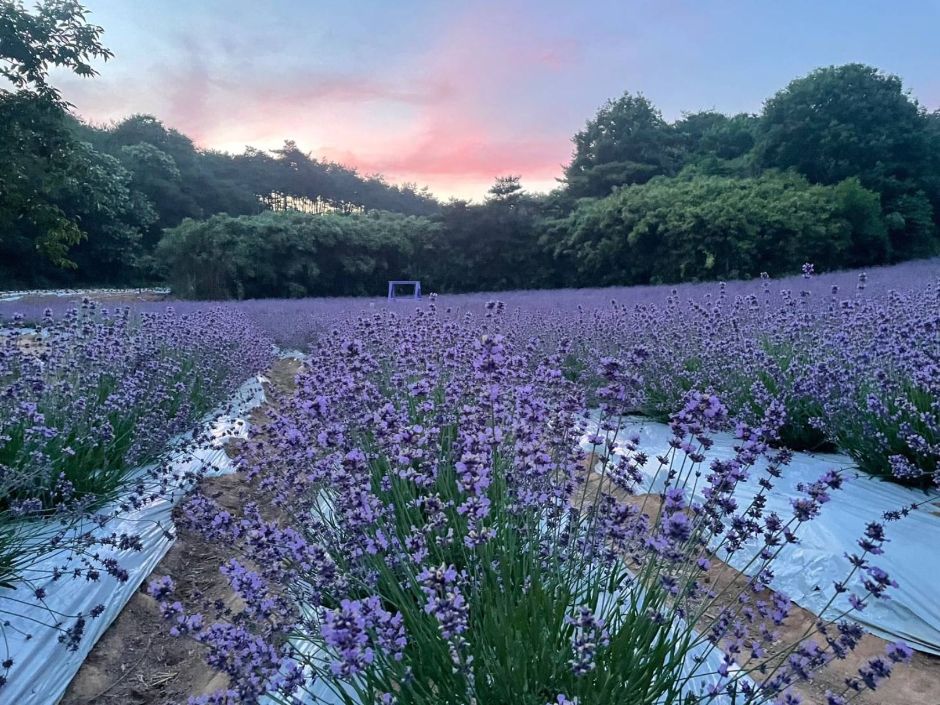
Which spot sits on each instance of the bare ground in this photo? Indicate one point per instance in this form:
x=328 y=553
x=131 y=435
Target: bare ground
x=136 y=661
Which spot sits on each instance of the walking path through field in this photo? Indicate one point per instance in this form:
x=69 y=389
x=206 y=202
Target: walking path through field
x=136 y=661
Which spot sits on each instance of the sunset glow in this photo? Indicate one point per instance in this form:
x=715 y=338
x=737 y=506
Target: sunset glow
x=450 y=98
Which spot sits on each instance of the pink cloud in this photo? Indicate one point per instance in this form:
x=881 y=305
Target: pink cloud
x=466 y=155
x=559 y=57
x=319 y=87
x=451 y=115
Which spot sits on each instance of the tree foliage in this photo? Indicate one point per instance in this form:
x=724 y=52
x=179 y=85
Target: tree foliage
x=842 y=167
x=68 y=213
x=853 y=120
x=714 y=227
x=42 y=166
x=627 y=142
x=490 y=246
x=55 y=34
x=292 y=254
x=844 y=121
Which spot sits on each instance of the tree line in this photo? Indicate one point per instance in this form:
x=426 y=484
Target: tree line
x=87 y=204
x=841 y=167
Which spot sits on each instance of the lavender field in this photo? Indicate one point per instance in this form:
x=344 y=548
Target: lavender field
x=650 y=414
x=452 y=502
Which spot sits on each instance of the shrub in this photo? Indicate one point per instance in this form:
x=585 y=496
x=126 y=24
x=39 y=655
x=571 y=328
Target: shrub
x=712 y=227
x=893 y=431
x=291 y=254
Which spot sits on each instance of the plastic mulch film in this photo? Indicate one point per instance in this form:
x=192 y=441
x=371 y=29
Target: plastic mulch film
x=806 y=571
x=43 y=668
x=60 y=293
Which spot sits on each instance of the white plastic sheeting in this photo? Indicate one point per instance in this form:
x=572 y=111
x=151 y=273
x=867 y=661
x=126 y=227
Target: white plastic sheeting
x=291 y=354
x=17 y=295
x=806 y=572
x=43 y=668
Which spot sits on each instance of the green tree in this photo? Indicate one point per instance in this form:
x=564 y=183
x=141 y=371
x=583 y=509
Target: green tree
x=627 y=142
x=711 y=227
x=289 y=254
x=55 y=34
x=716 y=144
x=179 y=180
x=112 y=214
x=39 y=157
x=35 y=145
x=67 y=212
x=855 y=121
x=507 y=191
x=493 y=245
x=165 y=166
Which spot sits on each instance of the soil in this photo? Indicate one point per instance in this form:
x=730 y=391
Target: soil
x=915 y=684
x=31 y=344
x=136 y=661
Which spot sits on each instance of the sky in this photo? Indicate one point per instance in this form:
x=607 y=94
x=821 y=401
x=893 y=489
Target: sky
x=451 y=94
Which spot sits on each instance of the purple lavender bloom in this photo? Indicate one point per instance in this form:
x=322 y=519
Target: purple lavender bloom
x=899 y=652
x=590 y=634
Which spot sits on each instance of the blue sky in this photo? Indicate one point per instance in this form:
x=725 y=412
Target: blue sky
x=452 y=94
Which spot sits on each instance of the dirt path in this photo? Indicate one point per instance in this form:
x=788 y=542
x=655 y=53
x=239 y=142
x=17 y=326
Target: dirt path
x=136 y=661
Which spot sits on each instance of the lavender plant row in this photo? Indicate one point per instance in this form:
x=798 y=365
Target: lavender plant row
x=73 y=611
x=429 y=531
x=97 y=391
x=85 y=399
x=853 y=357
